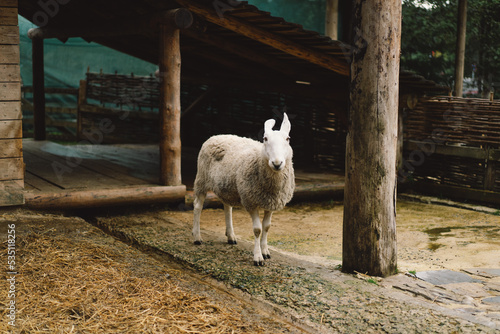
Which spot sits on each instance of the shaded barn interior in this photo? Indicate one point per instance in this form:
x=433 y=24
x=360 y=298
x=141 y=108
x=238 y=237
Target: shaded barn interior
x=240 y=66
x=131 y=103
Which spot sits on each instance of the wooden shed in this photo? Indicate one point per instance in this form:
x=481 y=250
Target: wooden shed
x=220 y=43
x=11 y=157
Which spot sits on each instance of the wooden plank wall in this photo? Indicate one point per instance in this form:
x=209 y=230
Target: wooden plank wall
x=11 y=157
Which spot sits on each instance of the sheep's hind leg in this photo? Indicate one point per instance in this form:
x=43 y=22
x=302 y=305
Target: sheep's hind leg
x=258 y=259
x=199 y=200
x=228 y=213
x=266 y=224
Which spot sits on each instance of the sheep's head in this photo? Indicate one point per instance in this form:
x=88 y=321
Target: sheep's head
x=277 y=148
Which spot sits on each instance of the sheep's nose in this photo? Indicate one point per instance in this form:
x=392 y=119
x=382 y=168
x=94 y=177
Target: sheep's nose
x=277 y=165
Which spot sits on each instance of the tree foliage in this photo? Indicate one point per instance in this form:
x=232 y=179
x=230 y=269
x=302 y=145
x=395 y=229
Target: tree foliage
x=429 y=40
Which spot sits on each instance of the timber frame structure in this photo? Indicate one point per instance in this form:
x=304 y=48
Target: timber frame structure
x=222 y=43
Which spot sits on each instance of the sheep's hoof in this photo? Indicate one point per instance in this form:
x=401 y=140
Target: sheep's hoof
x=266 y=256
x=258 y=263
x=197 y=242
x=232 y=242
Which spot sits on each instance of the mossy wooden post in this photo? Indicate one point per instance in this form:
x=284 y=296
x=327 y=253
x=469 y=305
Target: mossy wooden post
x=369 y=228
x=170 y=95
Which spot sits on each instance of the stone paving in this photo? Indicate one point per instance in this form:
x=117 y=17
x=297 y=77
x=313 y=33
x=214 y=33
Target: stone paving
x=473 y=293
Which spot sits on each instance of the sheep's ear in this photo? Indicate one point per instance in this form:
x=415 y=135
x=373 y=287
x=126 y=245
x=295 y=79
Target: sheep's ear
x=285 y=125
x=268 y=125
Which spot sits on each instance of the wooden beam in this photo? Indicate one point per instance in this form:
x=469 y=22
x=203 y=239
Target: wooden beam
x=9 y=35
x=180 y=18
x=12 y=192
x=457 y=193
x=38 y=89
x=9 y=54
x=10 y=91
x=10 y=73
x=11 y=129
x=11 y=169
x=369 y=228
x=10 y=110
x=460 y=47
x=263 y=36
x=11 y=148
x=146 y=194
x=455 y=151
x=8 y=16
x=170 y=106
x=81 y=102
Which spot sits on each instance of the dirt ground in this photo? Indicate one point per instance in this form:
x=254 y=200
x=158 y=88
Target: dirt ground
x=429 y=236
x=74 y=278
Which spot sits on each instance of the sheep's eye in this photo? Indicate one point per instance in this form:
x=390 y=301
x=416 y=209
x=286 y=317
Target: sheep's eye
x=265 y=138
x=288 y=139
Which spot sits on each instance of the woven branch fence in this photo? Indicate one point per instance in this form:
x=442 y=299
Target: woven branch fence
x=131 y=103
x=454 y=142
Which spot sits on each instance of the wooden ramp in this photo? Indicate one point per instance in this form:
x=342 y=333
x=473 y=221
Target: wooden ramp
x=59 y=176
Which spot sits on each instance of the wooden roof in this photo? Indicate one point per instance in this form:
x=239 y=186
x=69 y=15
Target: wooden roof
x=229 y=45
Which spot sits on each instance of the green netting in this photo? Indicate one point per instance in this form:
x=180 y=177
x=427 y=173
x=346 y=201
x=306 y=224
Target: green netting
x=309 y=13
x=66 y=63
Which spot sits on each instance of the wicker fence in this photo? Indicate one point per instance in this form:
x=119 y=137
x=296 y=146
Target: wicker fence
x=131 y=103
x=452 y=147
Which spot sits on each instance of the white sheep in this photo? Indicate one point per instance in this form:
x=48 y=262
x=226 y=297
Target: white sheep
x=255 y=175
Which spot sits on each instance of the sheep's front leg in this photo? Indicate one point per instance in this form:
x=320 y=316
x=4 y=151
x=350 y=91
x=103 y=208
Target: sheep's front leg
x=258 y=259
x=199 y=199
x=266 y=224
x=228 y=213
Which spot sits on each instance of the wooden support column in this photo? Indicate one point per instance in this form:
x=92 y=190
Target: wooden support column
x=170 y=96
x=332 y=19
x=460 y=49
x=369 y=228
x=38 y=89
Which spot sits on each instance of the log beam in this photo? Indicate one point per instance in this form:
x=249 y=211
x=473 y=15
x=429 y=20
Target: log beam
x=180 y=18
x=146 y=194
x=38 y=89
x=276 y=41
x=369 y=228
x=170 y=105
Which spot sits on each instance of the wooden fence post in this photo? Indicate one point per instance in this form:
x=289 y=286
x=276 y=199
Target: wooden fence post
x=38 y=89
x=170 y=95
x=369 y=228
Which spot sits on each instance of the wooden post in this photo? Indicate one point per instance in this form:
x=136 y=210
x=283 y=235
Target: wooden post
x=82 y=99
x=369 y=229
x=38 y=89
x=460 y=49
x=332 y=19
x=170 y=96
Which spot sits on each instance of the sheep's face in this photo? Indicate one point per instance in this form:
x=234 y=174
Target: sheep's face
x=277 y=150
